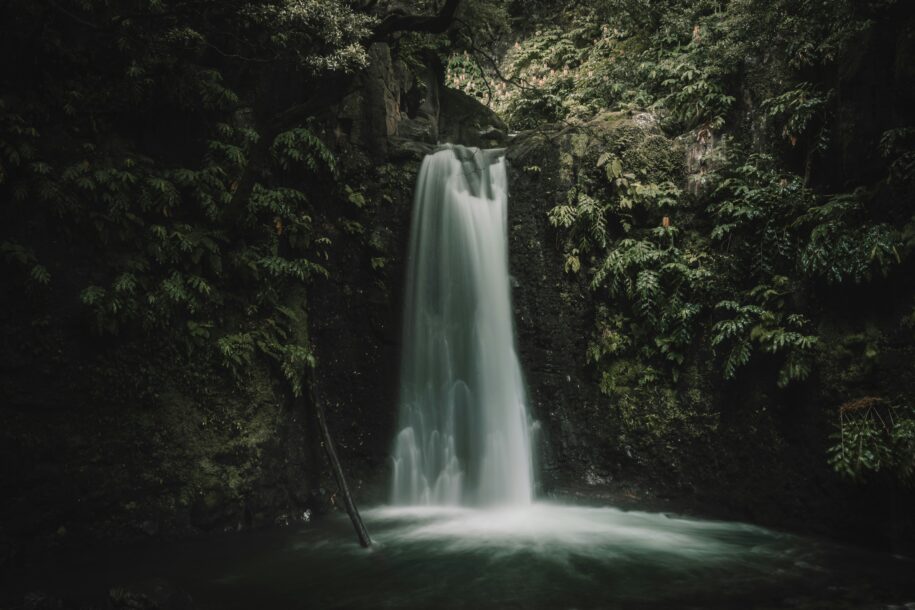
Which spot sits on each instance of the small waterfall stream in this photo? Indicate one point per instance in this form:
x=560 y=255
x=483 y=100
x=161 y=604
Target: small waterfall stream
x=464 y=428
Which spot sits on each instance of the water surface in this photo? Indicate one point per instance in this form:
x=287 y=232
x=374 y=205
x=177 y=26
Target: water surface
x=539 y=556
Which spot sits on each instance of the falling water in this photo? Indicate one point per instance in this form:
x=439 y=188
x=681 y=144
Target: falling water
x=464 y=429
x=465 y=439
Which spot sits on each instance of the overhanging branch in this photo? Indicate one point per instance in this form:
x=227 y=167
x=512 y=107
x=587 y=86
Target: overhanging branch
x=430 y=24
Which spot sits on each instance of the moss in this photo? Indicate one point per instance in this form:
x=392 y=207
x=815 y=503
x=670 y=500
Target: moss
x=655 y=410
x=146 y=433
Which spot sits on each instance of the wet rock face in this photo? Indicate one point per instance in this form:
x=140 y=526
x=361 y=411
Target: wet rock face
x=701 y=147
x=396 y=112
x=579 y=436
x=553 y=318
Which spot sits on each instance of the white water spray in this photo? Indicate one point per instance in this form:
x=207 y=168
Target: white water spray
x=464 y=429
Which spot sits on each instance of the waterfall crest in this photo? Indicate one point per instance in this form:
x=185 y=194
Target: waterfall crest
x=464 y=428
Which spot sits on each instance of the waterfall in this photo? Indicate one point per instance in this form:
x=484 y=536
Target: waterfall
x=464 y=428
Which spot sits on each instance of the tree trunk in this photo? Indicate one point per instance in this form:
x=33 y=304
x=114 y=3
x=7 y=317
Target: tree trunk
x=348 y=502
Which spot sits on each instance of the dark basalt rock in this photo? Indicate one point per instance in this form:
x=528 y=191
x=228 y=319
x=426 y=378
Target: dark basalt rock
x=554 y=310
x=395 y=113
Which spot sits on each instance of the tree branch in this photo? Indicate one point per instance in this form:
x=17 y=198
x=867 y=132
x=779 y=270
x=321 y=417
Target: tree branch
x=475 y=50
x=362 y=534
x=235 y=55
x=74 y=16
x=431 y=24
x=334 y=88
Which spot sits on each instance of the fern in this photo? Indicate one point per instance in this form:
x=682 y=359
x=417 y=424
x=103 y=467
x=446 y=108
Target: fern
x=874 y=437
x=842 y=246
x=796 y=109
x=300 y=146
x=749 y=326
x=24 y=258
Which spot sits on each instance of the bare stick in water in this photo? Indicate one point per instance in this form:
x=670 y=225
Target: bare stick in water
x=348 y=502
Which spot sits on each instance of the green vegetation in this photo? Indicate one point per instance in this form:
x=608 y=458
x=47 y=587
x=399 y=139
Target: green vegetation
x=747 y=261
x=144 y=144
x=191 y=188
x=872 y=438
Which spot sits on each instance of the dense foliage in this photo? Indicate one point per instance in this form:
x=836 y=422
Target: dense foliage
x=735 y=212
x=144 y=169
x=747 y=264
